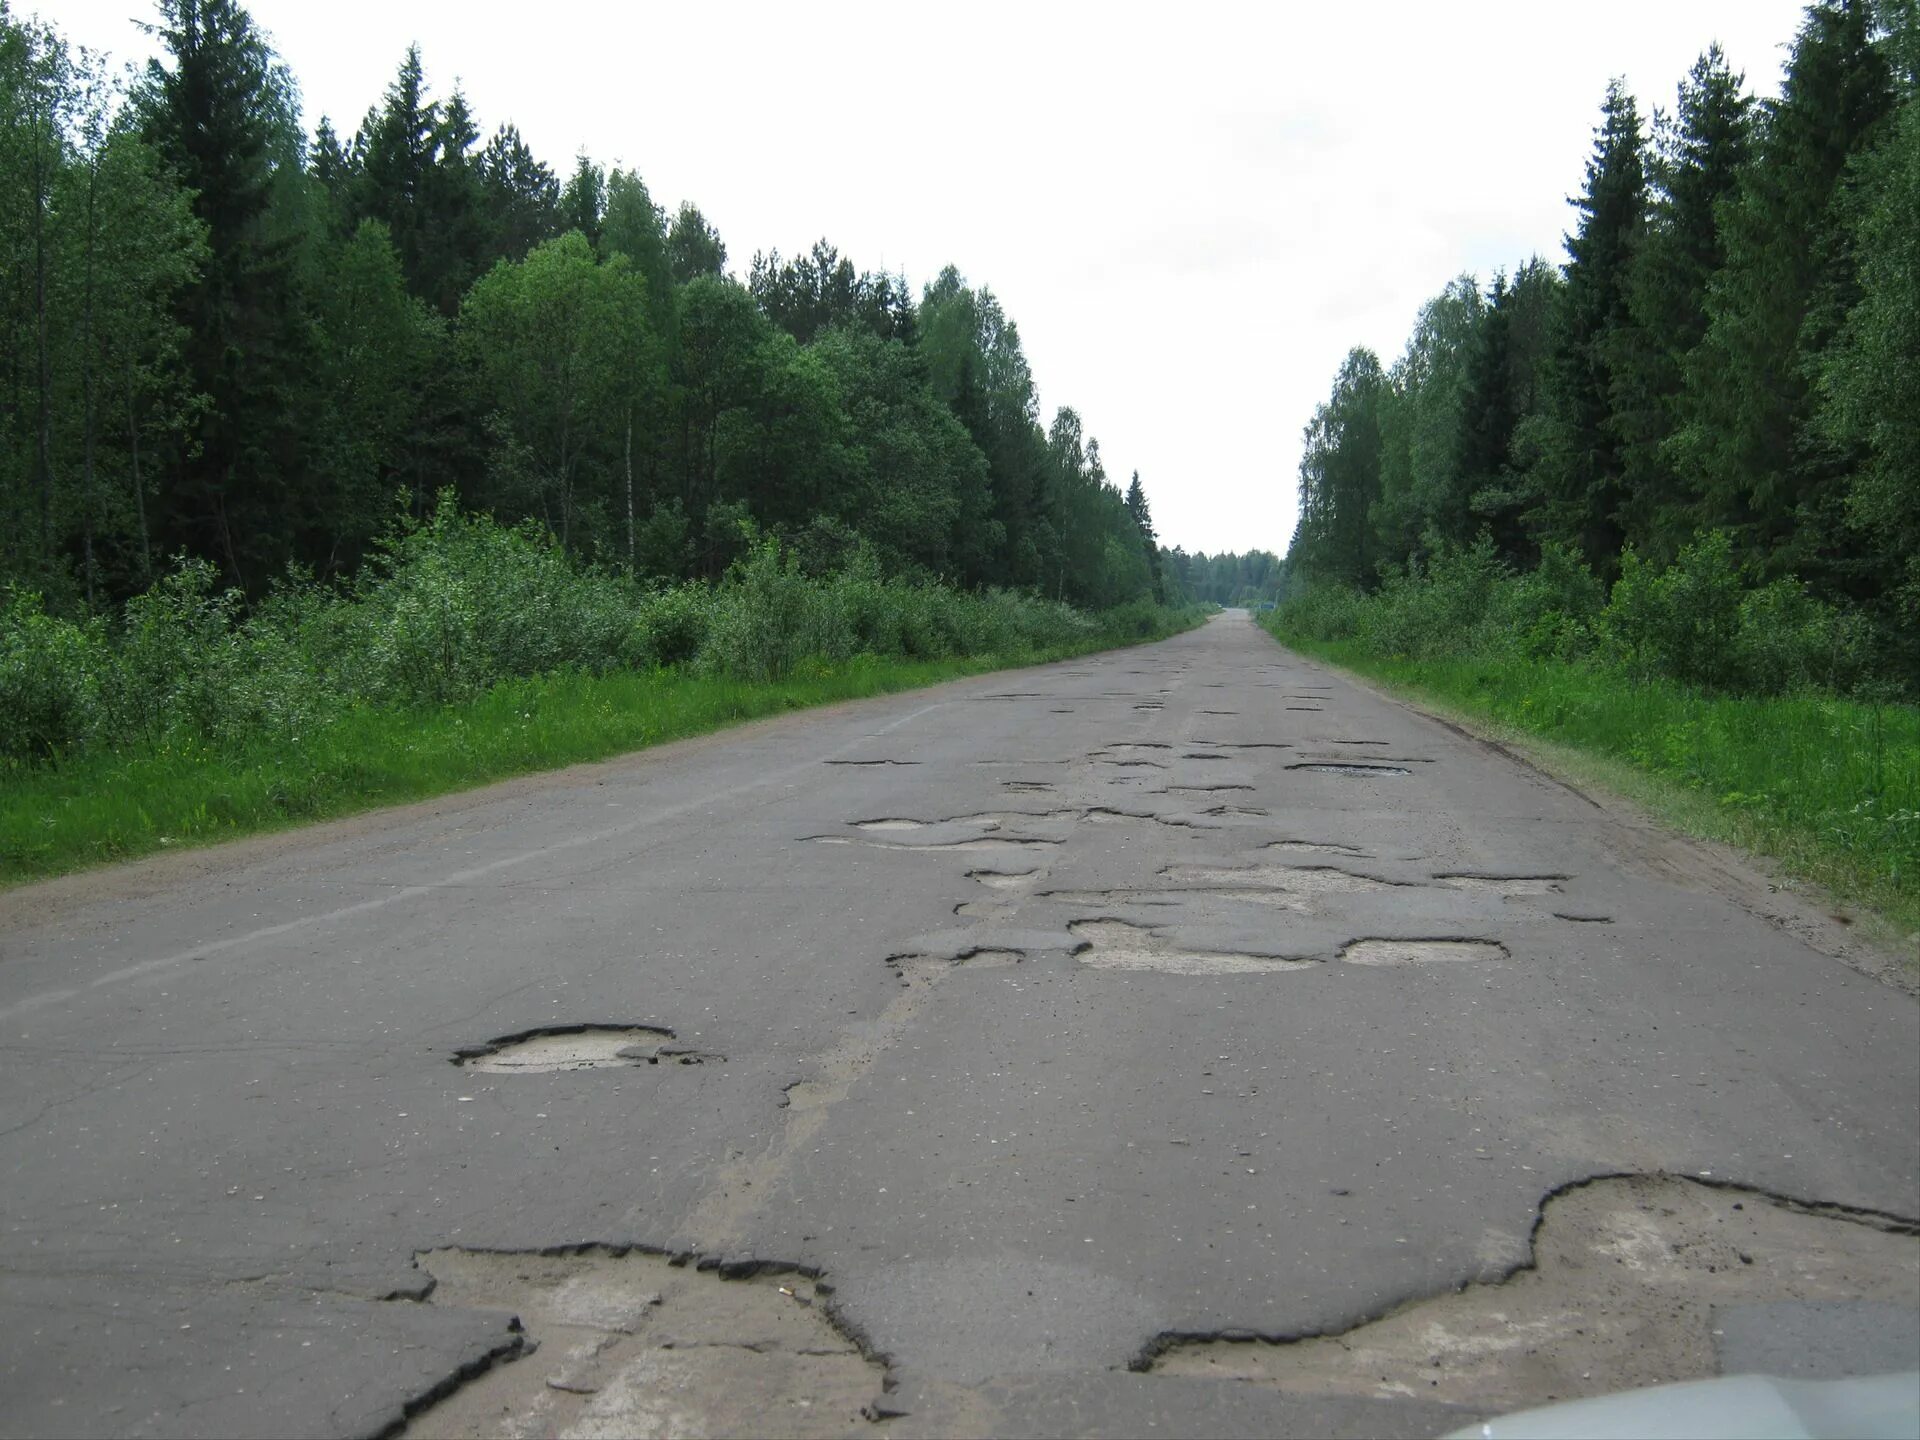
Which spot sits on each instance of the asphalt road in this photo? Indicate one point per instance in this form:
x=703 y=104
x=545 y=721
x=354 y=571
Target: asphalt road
x=1033 y=1023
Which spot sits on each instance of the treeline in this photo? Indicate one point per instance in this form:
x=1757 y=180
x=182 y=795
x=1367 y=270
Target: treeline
x=223 y=339
x=1226 y=578
x=1728 y=365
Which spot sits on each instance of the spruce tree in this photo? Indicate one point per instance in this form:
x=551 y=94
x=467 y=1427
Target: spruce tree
x=1761 y=469
x=1581 y=469
x=212 y=109
x=1698 y=153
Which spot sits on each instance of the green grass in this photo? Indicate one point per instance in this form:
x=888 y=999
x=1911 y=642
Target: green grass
x=1828 y=787
x=114 y=806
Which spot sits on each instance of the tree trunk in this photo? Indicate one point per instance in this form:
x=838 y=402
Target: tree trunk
x=43 y=355
x=139 y=486
x=88 y=410
x=629 y=488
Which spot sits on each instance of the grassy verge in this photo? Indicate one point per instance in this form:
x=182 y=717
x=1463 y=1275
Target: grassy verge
x=1828 y=787
x=118 y=805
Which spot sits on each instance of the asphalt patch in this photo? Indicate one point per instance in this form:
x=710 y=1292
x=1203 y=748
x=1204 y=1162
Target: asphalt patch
x=628 y=1343
x=1630 y=1279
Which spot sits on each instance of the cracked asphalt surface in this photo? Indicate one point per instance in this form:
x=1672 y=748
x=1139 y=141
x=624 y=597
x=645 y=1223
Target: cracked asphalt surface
x=1050 y=1019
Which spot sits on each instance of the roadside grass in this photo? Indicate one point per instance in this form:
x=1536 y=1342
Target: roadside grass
x=116 y=805
x=1827 y=787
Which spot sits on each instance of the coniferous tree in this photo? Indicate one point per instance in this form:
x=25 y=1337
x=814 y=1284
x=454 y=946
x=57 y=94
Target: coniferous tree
x=583 y=203
x=694 y=247
x=1747 y=445
x=1698 y=153
x=1143 y=517
x=215 y=109
x=522 y=198
x=1581 y=473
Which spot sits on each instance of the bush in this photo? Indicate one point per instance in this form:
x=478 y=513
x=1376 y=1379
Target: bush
x=1787 y=640
x=669 y=627
x=1680 y=622
x=50 y=678
x=454 y=606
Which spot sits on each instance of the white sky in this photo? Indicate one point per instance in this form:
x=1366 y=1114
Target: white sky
x=1191 y=211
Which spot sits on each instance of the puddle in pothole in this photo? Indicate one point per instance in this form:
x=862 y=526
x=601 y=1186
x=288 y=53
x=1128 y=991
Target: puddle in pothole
x=1320 y=767
x=637 y=1345
x=1107 y=944
x=1635 y=1281
x=1503 y=884
x=872 y=762
x=579 y=1047
x=1420 y=952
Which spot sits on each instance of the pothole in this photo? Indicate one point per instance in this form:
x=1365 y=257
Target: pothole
x=986 y=845
x=1579 y=919
x=1185 y=895
x=1242 y=811
x=1026 y=787
x=1310 y=709
x=1634 y=1281
x=1107 y=944
x=1330 y=767
x=1132 y=764
x=873 y=762
x=1317 y=847
x=1004 y=879
x=1299 y=879
x=625 y=1343
x=1504 y=884
x=1420 y=952
x=931 y=967
x=1204 y=755
x=890 y=824
x=579 y=1047
x=1209 y=789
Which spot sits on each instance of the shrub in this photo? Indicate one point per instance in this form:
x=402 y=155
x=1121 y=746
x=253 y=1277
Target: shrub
x=669 y=627
x=1787 y=640
x=50 y=674
x=1680 y=622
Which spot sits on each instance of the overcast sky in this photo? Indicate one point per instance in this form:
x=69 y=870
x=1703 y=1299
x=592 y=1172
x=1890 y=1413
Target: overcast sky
x=1191 y=211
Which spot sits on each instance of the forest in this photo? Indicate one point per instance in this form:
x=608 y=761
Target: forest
x=229 y=340
x=1694 y=448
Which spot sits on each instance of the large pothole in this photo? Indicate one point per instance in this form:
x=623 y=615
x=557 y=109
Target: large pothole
x=1107 y=944
x=1330 y=767
x=579 y=1047
x=1420 y=952
x=1635 y=1281
x=1295 y=879
x=640 y=1345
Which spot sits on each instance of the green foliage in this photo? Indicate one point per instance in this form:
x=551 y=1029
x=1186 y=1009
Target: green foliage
x=50 y=676
x=1729 y=352
x=452 y=607
x=1696 y=621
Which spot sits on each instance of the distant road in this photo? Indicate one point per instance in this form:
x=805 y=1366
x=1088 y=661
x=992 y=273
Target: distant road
x=990 y=1040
